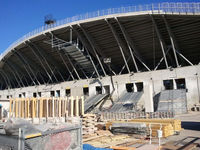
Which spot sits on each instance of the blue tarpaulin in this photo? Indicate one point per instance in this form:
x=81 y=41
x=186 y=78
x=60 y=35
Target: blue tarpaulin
x=90 y=147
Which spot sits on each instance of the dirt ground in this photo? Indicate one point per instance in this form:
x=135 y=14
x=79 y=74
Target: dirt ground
x=191 y=133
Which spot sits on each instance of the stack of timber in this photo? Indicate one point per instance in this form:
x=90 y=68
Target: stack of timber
x=176 y=124
x=89 y=122
x=167 y=129
x=129 y=128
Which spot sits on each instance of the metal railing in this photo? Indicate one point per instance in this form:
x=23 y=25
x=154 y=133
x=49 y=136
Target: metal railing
x=152 y=8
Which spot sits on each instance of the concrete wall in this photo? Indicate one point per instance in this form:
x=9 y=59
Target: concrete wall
x=153 y=84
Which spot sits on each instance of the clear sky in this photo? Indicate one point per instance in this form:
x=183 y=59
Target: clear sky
x=18 y=17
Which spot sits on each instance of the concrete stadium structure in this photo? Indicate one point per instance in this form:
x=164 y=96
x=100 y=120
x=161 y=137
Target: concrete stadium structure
x=144 y=56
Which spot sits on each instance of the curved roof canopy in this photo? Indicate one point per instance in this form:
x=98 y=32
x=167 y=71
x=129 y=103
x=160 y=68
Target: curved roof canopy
x=116 y=41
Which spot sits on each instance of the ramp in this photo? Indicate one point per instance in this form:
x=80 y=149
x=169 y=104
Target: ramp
x=127 y=102
x=173 y=100
x=91 y=102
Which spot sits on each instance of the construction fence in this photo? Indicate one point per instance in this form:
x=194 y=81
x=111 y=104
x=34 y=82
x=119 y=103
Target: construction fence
x=135 y=115
x=46 y=107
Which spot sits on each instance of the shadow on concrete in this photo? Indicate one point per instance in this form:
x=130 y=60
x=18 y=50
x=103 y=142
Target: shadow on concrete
x=191 y=125
x=156 y=101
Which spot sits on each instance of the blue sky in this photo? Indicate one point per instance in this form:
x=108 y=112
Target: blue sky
x=18 y=17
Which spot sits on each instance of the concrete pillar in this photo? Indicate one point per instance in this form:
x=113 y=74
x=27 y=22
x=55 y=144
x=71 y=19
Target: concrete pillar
x=174 y=84
x=135 y=87
x=148 y=91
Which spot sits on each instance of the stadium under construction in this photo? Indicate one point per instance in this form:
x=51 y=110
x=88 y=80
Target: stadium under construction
x=143 y=58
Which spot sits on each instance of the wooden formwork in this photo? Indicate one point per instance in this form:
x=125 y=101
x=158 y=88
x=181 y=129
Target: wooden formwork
x=46 y=107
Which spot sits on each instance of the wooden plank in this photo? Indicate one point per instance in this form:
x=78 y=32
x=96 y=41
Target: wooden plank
x=72 y=106
x=28 y=106
x=77 y=106
x=92 y=138
x=16 y=107
x=82 y=105
x=41 y=107
x=53 y=115
x=33 y=107
x=22 y=107
x=59 y=108
x=47 y=109
x=10 y=107
x=122 y=148
x=25 y=107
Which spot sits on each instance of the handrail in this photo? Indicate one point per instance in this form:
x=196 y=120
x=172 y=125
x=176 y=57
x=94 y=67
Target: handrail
x=152 y=8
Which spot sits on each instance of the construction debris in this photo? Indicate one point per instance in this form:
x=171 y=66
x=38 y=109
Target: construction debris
x=21 y=134
x=111 y=140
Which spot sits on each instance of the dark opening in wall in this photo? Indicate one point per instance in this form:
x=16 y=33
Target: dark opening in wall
x=34 y=94
x=39 y=94
x=107 y=89
x=7 y=96
x=52 y=93
x=68 y=92
x=86 y=91
x=180 y=83
x=98 y=90
x=20 y=95
x=168 y=84
x=129 y=87
x=57 y=93
x=139 y=86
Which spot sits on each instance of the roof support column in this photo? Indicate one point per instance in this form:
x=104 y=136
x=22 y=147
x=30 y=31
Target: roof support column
x=13 y=72
x=131 y=43
x=160 y=40
x=174 y=44
x=24 y=64
x=127 y=42
x=27 y=63
x=161 y=60
x=119 y=44
x=171 y=39
x=5 y=80
x=16 y=69
x=42 y=55
x=93 y=48
x=72 y=66
x=14 y=75
x=66 y=65
x=37 y=56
